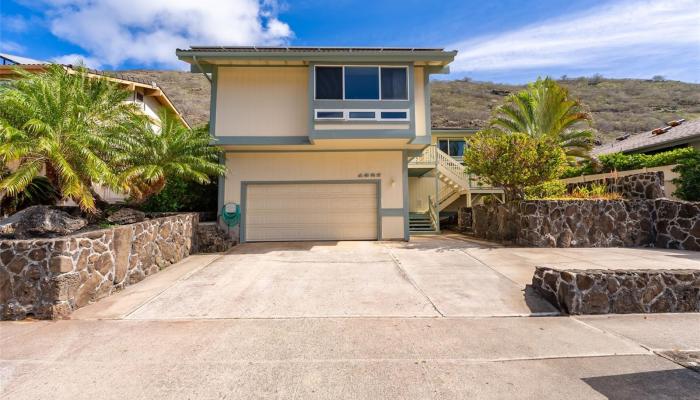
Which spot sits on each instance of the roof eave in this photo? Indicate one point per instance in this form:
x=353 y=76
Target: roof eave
x=211 y=57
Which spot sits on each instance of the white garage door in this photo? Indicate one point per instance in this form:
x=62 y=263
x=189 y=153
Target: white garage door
x=311 y=211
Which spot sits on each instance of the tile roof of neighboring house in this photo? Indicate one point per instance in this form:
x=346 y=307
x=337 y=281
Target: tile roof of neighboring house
x=115 y=77
x=678 y=132
x=20 y=60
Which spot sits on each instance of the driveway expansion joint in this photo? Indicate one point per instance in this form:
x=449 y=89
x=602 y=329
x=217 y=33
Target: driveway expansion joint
x=407 y=277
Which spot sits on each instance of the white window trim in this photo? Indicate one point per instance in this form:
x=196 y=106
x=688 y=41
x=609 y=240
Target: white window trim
x=377 y=114
x=379 y=66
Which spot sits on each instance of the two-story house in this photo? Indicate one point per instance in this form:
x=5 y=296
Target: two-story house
x=317 y=140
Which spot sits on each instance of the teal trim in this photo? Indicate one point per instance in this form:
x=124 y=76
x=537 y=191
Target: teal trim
x=259 y=140
x=221 y=184
x=316 y=56
x=212 y=102
x=362 y=104
x=391 y=212
x=244 y=196
x=404 y=170
x=360 y=122
x=363 y=134
x=358 y=104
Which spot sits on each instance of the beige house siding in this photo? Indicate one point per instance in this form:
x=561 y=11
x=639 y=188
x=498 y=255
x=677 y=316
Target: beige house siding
x=419 y=188
x=324 y=166
x=255 y=101
x=419 y=92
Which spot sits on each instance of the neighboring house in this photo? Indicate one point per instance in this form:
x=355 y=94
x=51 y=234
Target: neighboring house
x=680 y=133
x=438 y=183
x=148 y=96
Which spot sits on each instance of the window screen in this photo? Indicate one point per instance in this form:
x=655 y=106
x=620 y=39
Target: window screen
x=393 y=114
x=394 y=84
x=362 y=114
x=329 y=83
x=329 y=114
x=362 y=83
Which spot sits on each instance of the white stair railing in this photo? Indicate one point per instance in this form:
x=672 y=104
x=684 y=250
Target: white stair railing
x=426 y=158
x=433 y=212
x=452 y=169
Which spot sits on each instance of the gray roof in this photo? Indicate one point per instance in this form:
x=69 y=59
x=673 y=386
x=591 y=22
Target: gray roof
x=303 y=49
x=686 y=132
x=207 y=54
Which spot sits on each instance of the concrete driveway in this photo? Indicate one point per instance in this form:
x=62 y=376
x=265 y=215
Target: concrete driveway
x=436 y=318
x=428 y=277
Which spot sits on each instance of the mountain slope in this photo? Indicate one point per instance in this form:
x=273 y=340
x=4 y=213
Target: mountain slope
x=618 y=105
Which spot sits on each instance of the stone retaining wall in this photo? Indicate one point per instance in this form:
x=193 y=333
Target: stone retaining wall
x=585 y=223
x=646 y=185
x=211 y=238
x=49 y=278
x=619 y=291
x=591 y=223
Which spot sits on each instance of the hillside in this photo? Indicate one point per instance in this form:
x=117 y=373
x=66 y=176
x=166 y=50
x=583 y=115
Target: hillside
x=618 y=105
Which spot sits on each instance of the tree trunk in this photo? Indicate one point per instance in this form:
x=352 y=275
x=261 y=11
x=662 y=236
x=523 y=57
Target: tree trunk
x=146 y=191
x=52 y=176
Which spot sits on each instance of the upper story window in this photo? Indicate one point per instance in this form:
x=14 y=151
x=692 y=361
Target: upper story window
x=361 y=83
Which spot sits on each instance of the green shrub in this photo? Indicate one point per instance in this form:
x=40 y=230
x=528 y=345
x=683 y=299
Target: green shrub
x=688 y=184
x=625 y=162
x=182 y=195
x=553 y=188
x=513 y=161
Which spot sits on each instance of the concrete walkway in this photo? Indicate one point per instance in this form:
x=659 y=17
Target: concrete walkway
x=436 y=318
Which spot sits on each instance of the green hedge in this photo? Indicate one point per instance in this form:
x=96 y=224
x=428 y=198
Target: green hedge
x=625 y=162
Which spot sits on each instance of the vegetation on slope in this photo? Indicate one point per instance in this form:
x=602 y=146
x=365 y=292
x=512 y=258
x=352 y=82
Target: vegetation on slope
x=618 y=106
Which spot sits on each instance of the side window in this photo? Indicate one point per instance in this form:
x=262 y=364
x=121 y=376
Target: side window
x=329 y=83
x=443 y=145
x=394 y=84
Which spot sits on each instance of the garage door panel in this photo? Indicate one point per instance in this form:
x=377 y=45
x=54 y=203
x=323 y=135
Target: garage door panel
x=311 y=211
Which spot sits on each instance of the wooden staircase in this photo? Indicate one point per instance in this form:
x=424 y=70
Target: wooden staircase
x=421 y=223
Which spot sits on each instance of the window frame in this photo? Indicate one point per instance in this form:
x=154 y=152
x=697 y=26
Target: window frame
x=453 y=139
x=377 y=114
x=379 y=81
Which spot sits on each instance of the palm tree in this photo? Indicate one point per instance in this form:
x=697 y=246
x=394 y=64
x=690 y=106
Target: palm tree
x=148 y=155
x=58 y=123
x=544 y=109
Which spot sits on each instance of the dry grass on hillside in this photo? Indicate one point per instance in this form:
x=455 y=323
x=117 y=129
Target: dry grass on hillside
x=618 y=105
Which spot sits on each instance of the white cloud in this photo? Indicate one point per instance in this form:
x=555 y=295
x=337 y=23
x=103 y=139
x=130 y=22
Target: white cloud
x=78 y=59
x=605 y=36
x=113 y=32
x=14 y=23
x=8 y=46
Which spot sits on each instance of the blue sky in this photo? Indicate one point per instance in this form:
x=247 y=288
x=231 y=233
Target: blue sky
x=503 y=41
